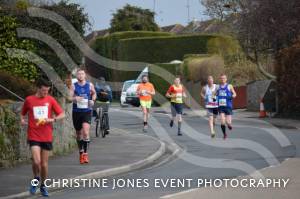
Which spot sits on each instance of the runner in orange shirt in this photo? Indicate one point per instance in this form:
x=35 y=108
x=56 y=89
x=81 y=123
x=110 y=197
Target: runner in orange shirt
x=145 y=91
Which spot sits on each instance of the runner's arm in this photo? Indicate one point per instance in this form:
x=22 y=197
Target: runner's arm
x=233 y=91
x=72 y=96
x=169 y=93
x=202 y=93
x=93 y=92
x=24 y=112
x=59 y=113
x=183 y=92
x=152 y=91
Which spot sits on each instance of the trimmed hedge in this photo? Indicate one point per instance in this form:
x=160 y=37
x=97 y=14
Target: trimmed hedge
x=162 y=49
x=107 y=46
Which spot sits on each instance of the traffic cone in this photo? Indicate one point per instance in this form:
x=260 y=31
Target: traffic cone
x=262 y=111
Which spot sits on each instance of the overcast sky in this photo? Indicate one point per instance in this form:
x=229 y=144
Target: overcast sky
x=168 y=11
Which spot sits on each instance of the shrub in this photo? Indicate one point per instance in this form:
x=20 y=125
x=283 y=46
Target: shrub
x=197 y=68
x=8 y=39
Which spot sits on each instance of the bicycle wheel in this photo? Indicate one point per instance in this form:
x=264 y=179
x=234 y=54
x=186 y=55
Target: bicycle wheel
x=103 y=126
x=97 y=128
x=98 y=122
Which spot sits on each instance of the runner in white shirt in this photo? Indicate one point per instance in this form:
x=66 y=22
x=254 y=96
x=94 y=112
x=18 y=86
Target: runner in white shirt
x=208 y=93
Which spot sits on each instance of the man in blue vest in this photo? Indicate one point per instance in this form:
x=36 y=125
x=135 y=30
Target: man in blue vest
x=84 y=96
x=225 y=94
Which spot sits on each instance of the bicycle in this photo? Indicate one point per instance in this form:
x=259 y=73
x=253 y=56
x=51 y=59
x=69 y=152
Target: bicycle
x=101 y=121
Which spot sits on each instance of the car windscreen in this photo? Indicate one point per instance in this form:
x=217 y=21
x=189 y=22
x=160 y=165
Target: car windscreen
x=126 y=86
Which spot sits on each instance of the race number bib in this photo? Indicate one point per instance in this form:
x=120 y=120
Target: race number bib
x=222 y=102
x=83 y=103
x=178 y=96
x=144 y=93
x=40 y=112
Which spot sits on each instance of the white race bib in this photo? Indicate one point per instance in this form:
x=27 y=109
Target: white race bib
x=222 y=102
x=83 y=103
x=144 y=93
x=40 y=112
x=178 y=96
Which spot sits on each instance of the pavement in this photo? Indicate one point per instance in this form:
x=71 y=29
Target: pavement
x=289 y=169
x=119 y=152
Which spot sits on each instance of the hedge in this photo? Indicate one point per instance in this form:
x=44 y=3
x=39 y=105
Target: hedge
x=162 y=49
x=107 y=46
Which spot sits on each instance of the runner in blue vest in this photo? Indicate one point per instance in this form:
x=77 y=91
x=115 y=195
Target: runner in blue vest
x=225 y=94
x=84 y=96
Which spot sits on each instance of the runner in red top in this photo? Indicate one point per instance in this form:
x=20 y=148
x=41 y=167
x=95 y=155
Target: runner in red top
x=40 y=108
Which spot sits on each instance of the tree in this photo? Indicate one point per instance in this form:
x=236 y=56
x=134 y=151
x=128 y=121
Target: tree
x=132 y=18
x=72 y=12
x=219 y=9
x=267 y=26
x=288 y=72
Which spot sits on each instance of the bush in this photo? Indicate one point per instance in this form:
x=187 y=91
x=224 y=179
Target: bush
x=8 y=39
x=20 y=86
x=288 y=74
x=197 y=67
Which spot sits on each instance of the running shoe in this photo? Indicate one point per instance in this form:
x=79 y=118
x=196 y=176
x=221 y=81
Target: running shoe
x=85 y=158
x=179 y=133
x=229 y=127
x=171 y=123
x=225 y=136
x=44 y=191
x=213 y=135
x=32 y=189
x=145 y=128
x=81 y=158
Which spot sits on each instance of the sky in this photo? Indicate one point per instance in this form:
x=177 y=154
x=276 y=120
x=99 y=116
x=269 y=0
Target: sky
x=168 y=12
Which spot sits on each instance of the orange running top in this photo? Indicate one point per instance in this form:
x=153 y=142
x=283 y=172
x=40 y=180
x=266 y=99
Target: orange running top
x=141 y=90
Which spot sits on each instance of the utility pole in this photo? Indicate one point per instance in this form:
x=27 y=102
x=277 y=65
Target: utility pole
x=154 y=5
x=188 y=11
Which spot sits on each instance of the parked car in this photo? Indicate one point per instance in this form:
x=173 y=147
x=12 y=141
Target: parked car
x=125 y=87
x=129 y=95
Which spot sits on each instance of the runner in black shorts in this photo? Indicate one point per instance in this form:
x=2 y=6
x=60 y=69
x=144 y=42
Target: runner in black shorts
x=40 y=108
x=225 y=94
x=84 y=96
x=176 y=93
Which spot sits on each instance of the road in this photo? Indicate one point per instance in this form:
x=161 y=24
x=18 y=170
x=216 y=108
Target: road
x=247 y=133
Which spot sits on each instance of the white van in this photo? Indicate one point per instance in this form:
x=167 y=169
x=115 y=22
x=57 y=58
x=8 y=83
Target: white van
x=128 y=95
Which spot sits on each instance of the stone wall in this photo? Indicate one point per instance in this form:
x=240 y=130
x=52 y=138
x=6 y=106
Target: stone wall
x=13 y=137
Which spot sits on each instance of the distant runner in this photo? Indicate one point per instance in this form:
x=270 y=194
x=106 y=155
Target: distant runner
x=225 y=94
x=84 y=96
x=40 y=108
x=208 y=93
x=176 y=94
x=145 y=91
